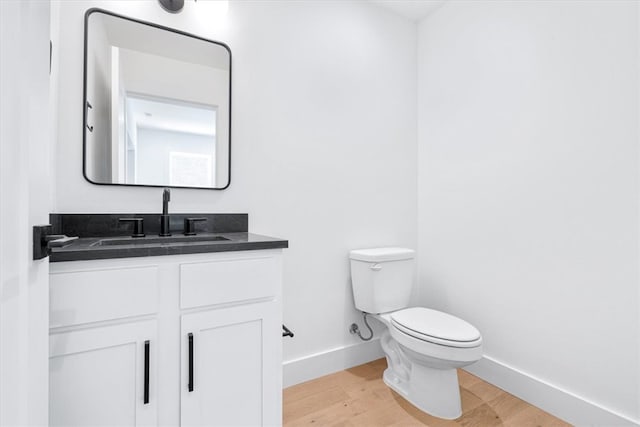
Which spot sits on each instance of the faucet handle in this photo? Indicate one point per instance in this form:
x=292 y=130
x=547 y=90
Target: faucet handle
x=138 y=226
x=190 y=225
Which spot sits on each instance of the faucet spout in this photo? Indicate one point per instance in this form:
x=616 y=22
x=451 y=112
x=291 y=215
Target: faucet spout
x=164 y=218
x=166 y=198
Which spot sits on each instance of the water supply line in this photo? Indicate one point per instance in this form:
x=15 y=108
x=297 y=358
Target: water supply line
x=355 y=330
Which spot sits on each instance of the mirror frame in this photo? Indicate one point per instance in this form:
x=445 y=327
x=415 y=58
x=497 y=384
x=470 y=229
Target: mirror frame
x=84 y=96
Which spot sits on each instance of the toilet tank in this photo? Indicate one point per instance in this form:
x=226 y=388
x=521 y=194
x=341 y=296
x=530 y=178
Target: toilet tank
x=382 y=278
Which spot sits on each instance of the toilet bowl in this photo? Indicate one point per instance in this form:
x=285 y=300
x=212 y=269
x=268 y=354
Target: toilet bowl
x=422 y=359
x=423 y=347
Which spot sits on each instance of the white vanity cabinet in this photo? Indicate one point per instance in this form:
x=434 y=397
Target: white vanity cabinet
x=227 y=372
x=98 y=376
x=191 y=340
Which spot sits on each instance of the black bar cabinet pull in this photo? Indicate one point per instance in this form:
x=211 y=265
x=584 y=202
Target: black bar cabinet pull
x=286 y=332
x=146 y=372
x=190 y=362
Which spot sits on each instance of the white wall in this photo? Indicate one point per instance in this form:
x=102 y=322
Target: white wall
x=528 y=191
x=323 y=145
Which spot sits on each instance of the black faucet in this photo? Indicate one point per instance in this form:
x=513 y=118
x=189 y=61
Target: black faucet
x=164 y=218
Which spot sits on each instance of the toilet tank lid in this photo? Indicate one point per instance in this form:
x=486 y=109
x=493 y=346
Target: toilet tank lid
x=382 y=254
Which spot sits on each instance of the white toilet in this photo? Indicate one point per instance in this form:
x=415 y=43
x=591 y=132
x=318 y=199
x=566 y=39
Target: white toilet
x=423 y=346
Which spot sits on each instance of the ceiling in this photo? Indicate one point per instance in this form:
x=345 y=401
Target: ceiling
x=414 y=10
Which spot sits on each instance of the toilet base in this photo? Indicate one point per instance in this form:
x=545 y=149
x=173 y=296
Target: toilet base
x=434 y=391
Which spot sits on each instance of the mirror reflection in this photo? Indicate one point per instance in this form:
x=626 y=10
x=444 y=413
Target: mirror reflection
x=157 y=105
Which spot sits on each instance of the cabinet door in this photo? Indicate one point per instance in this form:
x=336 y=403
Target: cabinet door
x=231 y=367
x=104 y=376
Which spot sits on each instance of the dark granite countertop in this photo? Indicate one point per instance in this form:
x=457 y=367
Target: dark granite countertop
x=88 y=248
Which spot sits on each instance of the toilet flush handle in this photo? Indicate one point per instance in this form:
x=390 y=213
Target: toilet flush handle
x=376 y=267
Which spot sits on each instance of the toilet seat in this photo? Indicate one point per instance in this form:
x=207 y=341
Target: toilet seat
x=436 y=327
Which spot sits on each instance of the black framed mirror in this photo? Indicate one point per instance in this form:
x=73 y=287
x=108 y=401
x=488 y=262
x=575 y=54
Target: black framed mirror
x=157 y=105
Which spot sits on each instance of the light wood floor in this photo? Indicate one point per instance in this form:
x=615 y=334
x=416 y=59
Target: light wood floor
x=357 y=397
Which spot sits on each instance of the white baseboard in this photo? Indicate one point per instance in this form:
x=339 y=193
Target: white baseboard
x=548 y=397
x=317 y=365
